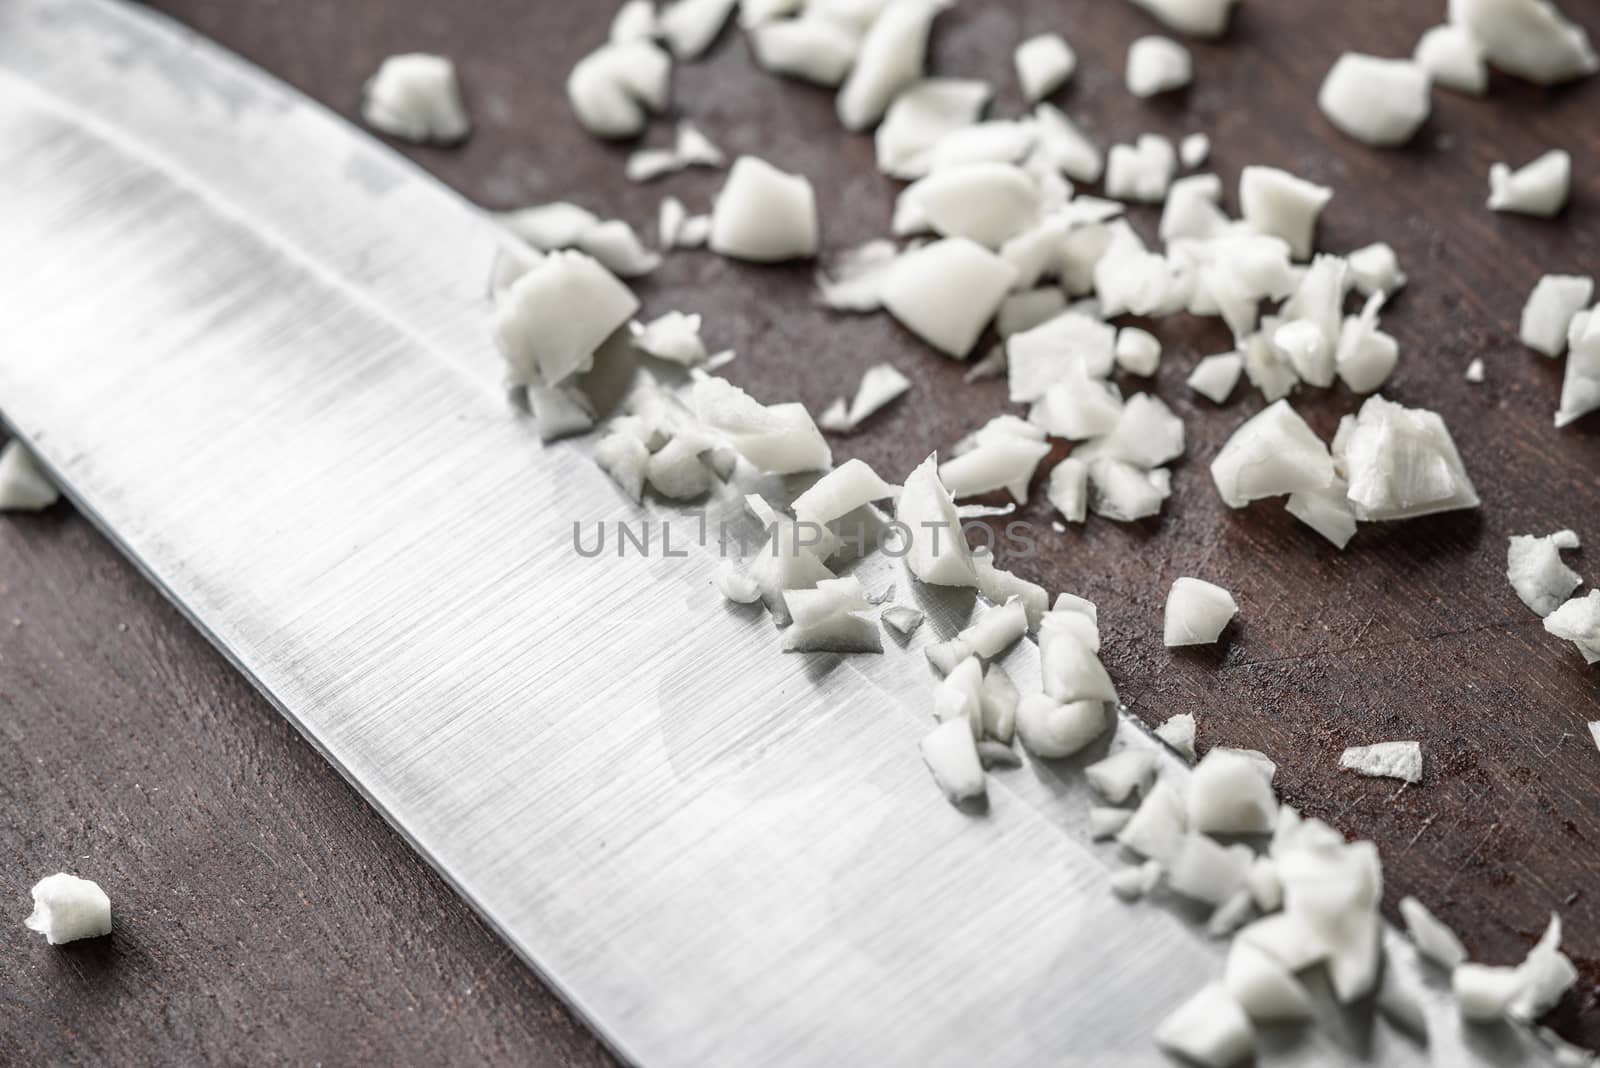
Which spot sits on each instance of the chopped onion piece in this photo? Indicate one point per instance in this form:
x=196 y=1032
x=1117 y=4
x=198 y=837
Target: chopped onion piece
x=951 y=754
x=1124 y=492
x=1380 y=101
x=1453 y=59
x=551 y=321
x=1157 y=828
x=1366 y=356
x=833 y=617
x=1265 y=989
x=1044 y=63
x=995 y=754
x=1527 y=38
x=1072 y=671
x=67 y=908
x=1157 y=65
x=1326 y=511
x=1070 y=348
x=735 y=585
x=690 y=26
x=416 y=97
x=780 y=439
x=1535 y=570
x=1273 y=201
x=614 y=89
x=1594 y=729
x=625 y=459
x=1546 y=975
x=619 y=249
x=998 y=699
x=1578 y=621
x=675 y=470
x=985 y=202
x=24 y=487
x=1193 y=211
x=960 y=694
x=1118 y=776
x=1400 y=463
x=560 y=411
x=635 y=20
x=1272 y=453
x=1002 y=463
x=674 y=337
x=816 y=49
x=1210 y=1028
x=840 y=492
x=1198 y=18
x=1483 y=992
x=1130 y=884
x=937 y=552
x=1141 y=171
x=1030 y=308
x=1539 y=188
x=853 y=281
x=764 y=215
x=902 y=619
x=1138 y=352
x=1178 y=732
x=1051 y=729
x=1216 y=376
x=1105 y=821
x=1068 y=490
x=880 y=384
x=1432 y=937
x=1193 y=150
x=1287 y=939
x=1229 y=795
x=1375 y=269
x=920 y=117
x=1387 y=760
x=1550 y=309
x=946 y=292
x=669 y=221
x=695 y=232
x=1266 y=890
x=1066 y=147
x=890 y=58
x=1000 y=586
x=1475 y=372
x=1580 y=386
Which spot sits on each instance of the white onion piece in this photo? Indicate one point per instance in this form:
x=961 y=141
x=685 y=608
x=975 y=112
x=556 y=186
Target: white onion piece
x=1535 y=570
x=832 y=617
x=1550 y=309
x=985 y=202
x=764 y=215
x=840 y=492
x=1178 y=733
x=1044 y=62
x=635 y=20
x=998 y=699
x=1071 y=669
x=1326 y=511
x=511 y=261
x=997 y=630
x=1229 y=795
x=890 y=58
x=1000 y=586
x=1308 y=350
x=951 y=754
x=1483 y=992
x=880 y=384
x=67 y=908
x=1539 y=188
x=1578 y=621
x=560 y=412
x=902 y=619
x=1453 y=59
x=1106 y=822
x=735 y=585
x=1366 y=356
x=1070 y=348
x=1157 y=65
x=780 y=439
x=1068 y=490
x=1528 y=38
x=1068 y=149
x=1432 y=937
x=1210 y=1028
x=1266 y=890
x=1382 y=102
x=1147 y=434
x=959 y=694
x=920 y=117
x=1007 y=463
x=552 y=226
x=1386 y=760
x=1052 y=729
x=695 y=232
x=669 y=221
x=674 y=337
x=938 y=552
x=690 y=26
x=24 y=487
x=1274 y=452
x=1375 y=268
x=1204 y=870
x=618 y=248
x=1158 y=825
x=1580 y=385
x=1265 y=989
x=853 y=281
x=1079 y=407
x=1193 y=210
x=614 y=89
x=995 y=754
x=1546 y=976
x=817 y=50
x=1029 y=308
x=1193 y=150
x=1231 y=915
x=1130 y=884
x=1287 y=939
x=1273 y=201
x=691 y=148
x=947 y=292
x=1333 y=887
x=1401 y=463
x=676 y=472
x=947 y=656
x=1197 y=18
x=1075 y=615
x=1216 y=376
x=1130 y=279
x=1594 y=729
x=1125 y=492
x=624 y=458
x=551 y=321
x=648 y=164
x=1118 y=776
x=1142 y=171
x=416 y=97
x=1138 y=352
x=995 y=141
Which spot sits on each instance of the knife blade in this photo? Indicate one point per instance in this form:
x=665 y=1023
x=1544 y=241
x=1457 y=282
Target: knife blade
x=252 y=344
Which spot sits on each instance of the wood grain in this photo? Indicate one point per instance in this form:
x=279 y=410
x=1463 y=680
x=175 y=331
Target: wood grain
x=262 y=906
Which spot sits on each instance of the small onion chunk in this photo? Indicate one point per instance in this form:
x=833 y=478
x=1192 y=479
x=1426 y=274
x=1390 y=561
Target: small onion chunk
x=891 y=57
x=1540 y=188
x=1401 y=463
x=921 y=117
x=832 y=617
x=1578 y=621
x=780 y=439
x=1453 y=59
x=1385 y=760
x=1433 y=938
x=1053 y=729
x=1229 y=794
x=550 y=322
x=764 y=215
x=1130 y=884
x=1044 y=63
x=1068 y=490
x=1142 y=171
x=1197 y=611
x=614 y=89
x=1197 y=18
x=1550 y=309
x=1264 y=988
x=1382 y=102
x=1273 y=453
x=1157 y=65
x=1535 y=570
x=416 y=97
x=67 y=908
x=947 y=292
x=1530 y=39
x=1118 y=776
x=24 y=487
x=938 y=552
x=1209 y=1029
x=1273 y=201
x=951 y=754
x=690 y=26
x=1158 y=825
x=1216 y=376
x=880 y=384
x=1179 y=732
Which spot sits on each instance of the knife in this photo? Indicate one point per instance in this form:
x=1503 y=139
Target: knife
x=252 y=345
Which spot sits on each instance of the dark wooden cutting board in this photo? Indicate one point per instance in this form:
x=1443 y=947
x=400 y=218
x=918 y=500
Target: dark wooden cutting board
x=264 y=912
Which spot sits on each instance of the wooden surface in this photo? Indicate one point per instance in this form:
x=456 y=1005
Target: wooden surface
x=265 y=913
